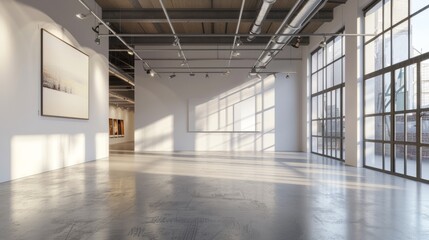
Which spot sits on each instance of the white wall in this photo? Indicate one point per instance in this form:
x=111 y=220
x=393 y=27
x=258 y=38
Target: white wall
x=161 y=108
x=128 y=116
x=349 y=16
x=30 y=143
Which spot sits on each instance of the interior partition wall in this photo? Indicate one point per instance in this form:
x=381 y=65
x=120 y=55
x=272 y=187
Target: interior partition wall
x=396 y=88
x=327 y=99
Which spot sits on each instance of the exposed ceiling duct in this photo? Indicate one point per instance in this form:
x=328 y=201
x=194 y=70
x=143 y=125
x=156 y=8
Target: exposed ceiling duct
x=307 y=11
x=120 y=74
x=262 y=15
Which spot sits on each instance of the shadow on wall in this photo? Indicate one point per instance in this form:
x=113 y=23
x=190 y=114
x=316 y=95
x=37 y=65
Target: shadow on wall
x=240 y=119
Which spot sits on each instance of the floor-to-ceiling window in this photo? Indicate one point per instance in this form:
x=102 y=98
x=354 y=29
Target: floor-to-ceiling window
x=396 y=87
x=327 y=99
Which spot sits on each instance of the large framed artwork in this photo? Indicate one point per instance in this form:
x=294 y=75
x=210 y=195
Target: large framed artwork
x=65 y=79
x=116 y=128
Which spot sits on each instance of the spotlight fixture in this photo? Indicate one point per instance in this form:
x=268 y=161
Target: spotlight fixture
x=226 y=73
x=238 y=43
x=97 y=40
x=207 y=75
x=183 y=64
x=151 y=72
x=179 y=54
x=130 y=52
x=82 y=15
x=322 y=44
x=172 y=75
x=96 y=29
x=297 y=43
x=176 y=41
x=192 y=74
x=287 y=75
x=253 y=72
x=235 y=54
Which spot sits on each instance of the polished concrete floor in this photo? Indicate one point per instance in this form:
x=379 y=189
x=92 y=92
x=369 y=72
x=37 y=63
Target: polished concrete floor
x=217 y=195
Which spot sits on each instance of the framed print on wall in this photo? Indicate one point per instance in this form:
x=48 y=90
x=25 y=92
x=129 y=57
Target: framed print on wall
x=65 y=79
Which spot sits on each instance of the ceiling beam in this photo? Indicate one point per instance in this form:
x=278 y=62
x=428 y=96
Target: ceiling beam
x=114 y=43
x=200 y=15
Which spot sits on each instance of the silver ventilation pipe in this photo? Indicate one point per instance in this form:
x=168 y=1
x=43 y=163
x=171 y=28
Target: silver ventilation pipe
x=262 y=15
x=308 y=10
x=120 y=74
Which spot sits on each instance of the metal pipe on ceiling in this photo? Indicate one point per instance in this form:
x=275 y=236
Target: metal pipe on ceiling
x=300 y=19
x=111 y=30
x=262 y=15
x=236 y=32
x=121 y=97
x=176 y=38
x=115 y=71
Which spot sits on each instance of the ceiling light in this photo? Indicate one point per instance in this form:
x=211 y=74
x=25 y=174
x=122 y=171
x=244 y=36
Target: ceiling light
x=226 y=73
x=81 y=15
x=151 y=72
x=172 y=75
x=176 y=41
x=322 y=44
x=97 y=40
x=238 y=42
x=130 y=52
x=297 y=43
x=235 y=54
x=253 y=72
x=287 y=75
x=192 y=74
x=183 y=64
x=207 y=75
x=179 y=54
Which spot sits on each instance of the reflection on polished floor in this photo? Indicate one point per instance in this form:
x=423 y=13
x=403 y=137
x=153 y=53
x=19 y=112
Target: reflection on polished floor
x=216 y=195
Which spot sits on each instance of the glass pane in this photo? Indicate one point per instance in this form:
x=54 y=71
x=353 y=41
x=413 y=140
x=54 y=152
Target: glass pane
x=411 y=127
x=419 y=33
x=411 y=160
x=411 y=87
x=314 y=144
x=374 y=20
x=320 y=80
x=417 y=5
x=424 y=79
x=314 y=128
x=400 y=42
x=374 y=95
x=387 y=92
x=338 y=104
x=320 y=58
x=387 y=128
x=424 y=157
x=337 y=47
x=373 y=55
x=314 y=108
x=387 y=49
x=320 y=104
x=328 y=105
x=314 y=63
x=399 y=158
x=314 y=83
x=329 y=52
x=399 y=127
x=330 y=75
x=374 y=128
x=387 y=15
x=399 y=89
x=344 y=69
x=399 y=10
x=424 y=127
x=387 y=157
x=374 y=155
x=320 y=145
x=337 y=72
